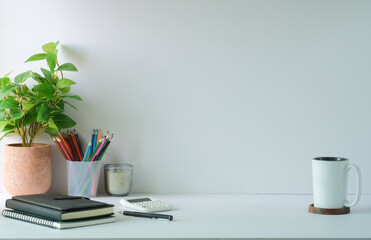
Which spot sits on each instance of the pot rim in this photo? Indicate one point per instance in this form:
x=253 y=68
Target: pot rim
x=34 y=145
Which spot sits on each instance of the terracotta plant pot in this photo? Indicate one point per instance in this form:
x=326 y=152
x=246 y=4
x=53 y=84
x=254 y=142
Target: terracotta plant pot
x=27 y=170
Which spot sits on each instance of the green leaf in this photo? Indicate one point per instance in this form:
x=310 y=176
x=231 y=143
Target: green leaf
x=51 y=123
x=60 y=104
x=56 y=110
x=29 y=105
x=6 y=133
x=2 y=115
x=28 y=94
x=39 y=78
x=30 y=117
x=56 y=50
x=66 y=89
x=36 y=57
x=45 y=89
x=49 y=47
x=4 y=81
x=67 y=67
x=9 y=103
x=51 y=59
x=64 y=82
x=23 y=77
x=47 y=75
x=2 y=125
x=71 y=105
x=63 y=121
x=51 y=130
x=73 y=97
x=43 y=113
x=16 y=114
x=4 y=91
x=8 y=127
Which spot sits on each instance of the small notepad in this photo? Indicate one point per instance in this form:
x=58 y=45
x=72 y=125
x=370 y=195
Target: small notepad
x=55 y=224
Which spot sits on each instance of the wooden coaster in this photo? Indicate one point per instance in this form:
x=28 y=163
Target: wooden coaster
x=327 y=211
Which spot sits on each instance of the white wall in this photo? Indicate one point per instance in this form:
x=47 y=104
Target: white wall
x=209 y=96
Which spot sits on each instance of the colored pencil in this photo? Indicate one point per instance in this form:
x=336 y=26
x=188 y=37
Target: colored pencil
x=59 y=147
x=66 y=146
x=99 y=135
x=96 y=152
x=104 y=150
x=65 y=152
x=78 y=142
x=95 y=138
x=104 y=143
x=92 y=143
x=70 y=147
x=73 y=150
x=76 y=146
x=87 y=152
x=91 y=157
x=101 y=153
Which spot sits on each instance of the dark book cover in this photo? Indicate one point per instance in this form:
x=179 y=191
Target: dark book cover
x=59 y=206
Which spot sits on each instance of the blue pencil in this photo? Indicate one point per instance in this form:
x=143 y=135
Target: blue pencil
x=87 y=152
x=95 y=138
x=92 y=142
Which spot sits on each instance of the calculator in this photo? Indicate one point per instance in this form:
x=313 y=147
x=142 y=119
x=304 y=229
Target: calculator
x=147 y=204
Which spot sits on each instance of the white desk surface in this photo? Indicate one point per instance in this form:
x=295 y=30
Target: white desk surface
x=213 y=216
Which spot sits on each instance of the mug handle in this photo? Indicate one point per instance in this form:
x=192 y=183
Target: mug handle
x=359 y=185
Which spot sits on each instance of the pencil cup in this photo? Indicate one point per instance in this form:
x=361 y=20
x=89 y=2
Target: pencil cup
x=83 y=178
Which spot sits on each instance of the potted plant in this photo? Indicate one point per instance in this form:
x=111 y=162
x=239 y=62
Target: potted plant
x=28 y=111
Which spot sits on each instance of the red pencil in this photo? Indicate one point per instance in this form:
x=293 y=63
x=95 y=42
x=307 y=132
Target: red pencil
x=70 y=143
x=68 y=157
x=66 y=146
x=76 y=146
x=59 y=147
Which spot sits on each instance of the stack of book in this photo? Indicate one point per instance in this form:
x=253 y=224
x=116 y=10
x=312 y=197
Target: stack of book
x=58 y=210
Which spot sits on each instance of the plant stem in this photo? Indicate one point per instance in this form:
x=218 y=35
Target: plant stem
x=29 y=133
x=60 y=71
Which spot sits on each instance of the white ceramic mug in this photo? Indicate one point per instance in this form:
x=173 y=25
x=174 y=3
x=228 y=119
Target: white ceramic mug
x=330 y=181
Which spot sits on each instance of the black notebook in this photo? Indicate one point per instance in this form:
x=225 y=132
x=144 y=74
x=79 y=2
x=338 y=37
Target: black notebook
x=25 y=217
x=59 y=207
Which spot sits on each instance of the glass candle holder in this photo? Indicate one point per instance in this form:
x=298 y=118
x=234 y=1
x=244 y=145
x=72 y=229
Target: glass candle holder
x=118 y=179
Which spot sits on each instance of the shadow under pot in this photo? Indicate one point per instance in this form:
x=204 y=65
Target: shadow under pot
x=27 y=170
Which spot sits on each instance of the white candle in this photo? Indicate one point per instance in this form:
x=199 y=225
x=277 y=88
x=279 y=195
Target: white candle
x=118 y=179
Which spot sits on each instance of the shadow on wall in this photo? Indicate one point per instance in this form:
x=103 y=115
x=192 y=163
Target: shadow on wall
x=74 y=52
